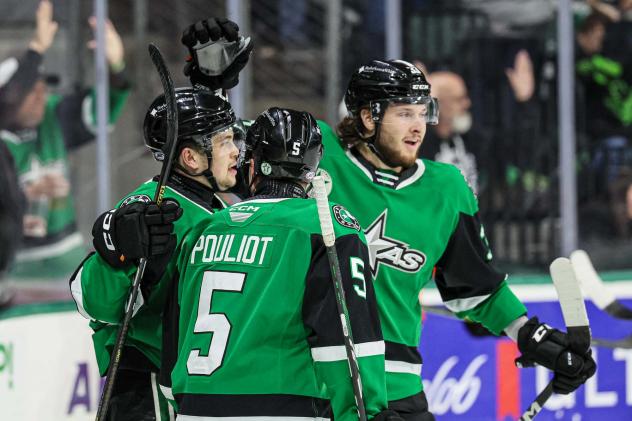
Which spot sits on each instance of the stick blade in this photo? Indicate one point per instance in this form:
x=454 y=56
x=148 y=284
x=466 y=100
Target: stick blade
x=572 y=304
x=569 y=292
x=590 y=281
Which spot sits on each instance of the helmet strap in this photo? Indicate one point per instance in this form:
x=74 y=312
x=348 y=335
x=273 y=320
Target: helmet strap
x=377 y=113
x=207 y=173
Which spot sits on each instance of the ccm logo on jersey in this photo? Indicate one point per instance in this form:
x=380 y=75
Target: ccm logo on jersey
x=389 y=251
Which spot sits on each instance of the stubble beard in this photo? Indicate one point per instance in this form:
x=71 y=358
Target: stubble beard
x=397 y=158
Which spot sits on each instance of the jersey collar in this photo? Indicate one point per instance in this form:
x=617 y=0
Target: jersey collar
x=194 y=191
x=387 y=178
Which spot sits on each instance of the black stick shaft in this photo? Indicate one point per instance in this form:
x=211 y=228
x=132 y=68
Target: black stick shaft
x=329 y=238
x=172 y=134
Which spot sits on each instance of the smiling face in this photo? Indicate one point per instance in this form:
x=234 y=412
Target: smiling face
x=225 y=154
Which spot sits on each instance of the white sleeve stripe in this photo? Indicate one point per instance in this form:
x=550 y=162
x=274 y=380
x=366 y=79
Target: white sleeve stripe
x=154 y=394
x=77 y=294
x=402 y=367
x=166 y=391
x=464 y=304
x=338 y=353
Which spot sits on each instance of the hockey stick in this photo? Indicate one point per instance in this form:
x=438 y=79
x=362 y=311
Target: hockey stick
x=172 y=134
x=329 y=238
x=575 y=319
x=625 y=343
x=594 y=287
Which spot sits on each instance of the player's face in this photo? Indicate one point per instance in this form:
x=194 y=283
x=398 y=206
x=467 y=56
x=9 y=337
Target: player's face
x=401 y=133
x=225 y=154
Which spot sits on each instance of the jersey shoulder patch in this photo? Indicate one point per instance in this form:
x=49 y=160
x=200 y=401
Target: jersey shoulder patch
x=345 y=218
x=143 y=198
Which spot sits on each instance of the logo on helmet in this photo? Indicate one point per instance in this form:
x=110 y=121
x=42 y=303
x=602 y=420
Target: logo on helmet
x=266 y=168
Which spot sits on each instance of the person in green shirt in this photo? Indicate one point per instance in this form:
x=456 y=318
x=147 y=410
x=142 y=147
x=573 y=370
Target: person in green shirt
x=421 y=218
x=205 y=163
x=251 y=329
x=40 y=129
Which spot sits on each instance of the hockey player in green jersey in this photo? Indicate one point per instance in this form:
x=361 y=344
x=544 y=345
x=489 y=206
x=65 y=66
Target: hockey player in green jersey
x=418 y=215
x=253 y=331
x=206 y=161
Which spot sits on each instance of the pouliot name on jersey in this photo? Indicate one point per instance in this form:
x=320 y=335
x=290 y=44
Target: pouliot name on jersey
x=231 y=248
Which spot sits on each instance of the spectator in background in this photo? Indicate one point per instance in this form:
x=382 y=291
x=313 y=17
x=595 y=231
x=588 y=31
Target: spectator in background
x=455 y=141
x=11 y=207
x=604 y=84
x=39 y=129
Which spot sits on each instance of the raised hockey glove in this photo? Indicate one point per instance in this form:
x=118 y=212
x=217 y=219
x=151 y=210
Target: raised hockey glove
x=387 y=415
x=217 y=53
x=548 y=347
x=124 y=235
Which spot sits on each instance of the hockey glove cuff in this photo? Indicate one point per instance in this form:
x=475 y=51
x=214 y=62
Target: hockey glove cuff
x=549 y=347
x=124 y=235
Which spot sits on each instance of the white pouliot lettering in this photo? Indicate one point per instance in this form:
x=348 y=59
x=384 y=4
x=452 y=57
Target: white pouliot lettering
x=227 y=256
x=265 y=241
x=207 y=257
x=241 y=248
x=251 y=246
x=252 y=249
x=219 y=253
x=199 y=246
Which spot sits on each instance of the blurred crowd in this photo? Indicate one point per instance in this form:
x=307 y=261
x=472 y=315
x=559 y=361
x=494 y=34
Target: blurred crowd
x=494 y=75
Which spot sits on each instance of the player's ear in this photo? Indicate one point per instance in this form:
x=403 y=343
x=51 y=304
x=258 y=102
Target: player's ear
x=190 y=159
x=367 y=121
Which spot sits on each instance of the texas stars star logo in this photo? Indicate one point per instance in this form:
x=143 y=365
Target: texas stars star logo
x=389 y=251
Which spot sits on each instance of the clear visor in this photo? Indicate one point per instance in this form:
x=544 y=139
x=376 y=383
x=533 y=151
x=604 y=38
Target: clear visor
x=424 y=106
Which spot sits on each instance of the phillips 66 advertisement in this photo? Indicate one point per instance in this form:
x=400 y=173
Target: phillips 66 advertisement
x=474 y=378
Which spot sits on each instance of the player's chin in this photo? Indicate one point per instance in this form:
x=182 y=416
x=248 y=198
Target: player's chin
x=408 y=158
x=228 y=182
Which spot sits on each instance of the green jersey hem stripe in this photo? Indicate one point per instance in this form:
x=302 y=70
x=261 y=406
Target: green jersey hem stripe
x=77 y=294
x=167 y=392
x=403 y=367
x=338 y=353
x=463 y=304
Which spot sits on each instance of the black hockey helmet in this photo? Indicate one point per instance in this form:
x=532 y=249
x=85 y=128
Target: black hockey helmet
x=201 y=114
x=285 y=144
x=382 y=82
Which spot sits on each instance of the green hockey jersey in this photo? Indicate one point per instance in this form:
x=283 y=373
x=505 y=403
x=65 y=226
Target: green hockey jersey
x=69 y=122
x=253 y=329
x=423 y=218
x=100 y=291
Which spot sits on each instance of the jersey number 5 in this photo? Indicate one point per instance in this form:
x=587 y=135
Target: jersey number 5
x=217 y=323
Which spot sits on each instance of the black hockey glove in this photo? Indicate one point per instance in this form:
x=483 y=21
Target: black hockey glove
x=124 y=235
x=548 y=347
x=387 y=415
x=215 y=65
